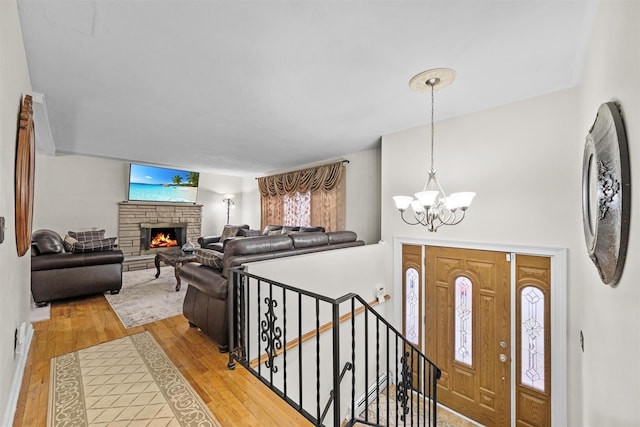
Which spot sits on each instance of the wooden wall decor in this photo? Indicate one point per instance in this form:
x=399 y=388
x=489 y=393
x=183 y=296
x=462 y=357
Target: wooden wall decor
x=606 y=193
x=25 y=169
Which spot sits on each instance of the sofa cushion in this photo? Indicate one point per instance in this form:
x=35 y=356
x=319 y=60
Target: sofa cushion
x=85 y=236
x=341 y=237
x=208 y=257
x=258 y=245
x=311 y=228
x=204 y=279
x=49 y=245
x=305 y=240
x=69 y=260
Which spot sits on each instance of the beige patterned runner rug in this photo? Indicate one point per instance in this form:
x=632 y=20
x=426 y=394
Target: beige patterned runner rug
x=126 y=382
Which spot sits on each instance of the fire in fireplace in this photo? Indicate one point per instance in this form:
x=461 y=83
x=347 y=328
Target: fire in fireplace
x=162 y=235
x=162 y=240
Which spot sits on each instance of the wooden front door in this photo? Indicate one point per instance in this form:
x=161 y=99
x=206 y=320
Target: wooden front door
x=468 y=331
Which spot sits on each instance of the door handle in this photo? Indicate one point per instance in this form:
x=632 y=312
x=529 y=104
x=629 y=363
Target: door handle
x=503 y=358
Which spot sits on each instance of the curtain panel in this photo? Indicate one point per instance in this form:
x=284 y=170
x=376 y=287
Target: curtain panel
x=327 y=186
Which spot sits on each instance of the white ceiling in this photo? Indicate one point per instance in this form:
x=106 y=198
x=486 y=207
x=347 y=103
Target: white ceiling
x=247 y=87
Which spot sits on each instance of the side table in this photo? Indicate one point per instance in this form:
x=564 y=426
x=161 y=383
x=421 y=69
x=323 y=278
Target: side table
x=175 y=258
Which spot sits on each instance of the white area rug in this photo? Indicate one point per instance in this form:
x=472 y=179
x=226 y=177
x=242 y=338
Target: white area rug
x=39 y=314
x=145 y=299
x=125 y=382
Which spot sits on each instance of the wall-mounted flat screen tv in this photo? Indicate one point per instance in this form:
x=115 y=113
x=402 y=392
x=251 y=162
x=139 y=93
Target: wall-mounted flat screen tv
x=156 y=184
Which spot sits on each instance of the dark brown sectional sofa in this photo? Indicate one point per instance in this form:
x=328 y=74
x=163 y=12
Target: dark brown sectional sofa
x=205 y=303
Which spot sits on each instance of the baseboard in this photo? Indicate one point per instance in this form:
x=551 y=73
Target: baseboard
x=366 y=398
x=16 y=384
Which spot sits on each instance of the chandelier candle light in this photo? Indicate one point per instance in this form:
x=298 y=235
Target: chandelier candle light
x=432 y=207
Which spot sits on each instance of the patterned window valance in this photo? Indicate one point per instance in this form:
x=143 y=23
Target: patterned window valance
x=323 y=177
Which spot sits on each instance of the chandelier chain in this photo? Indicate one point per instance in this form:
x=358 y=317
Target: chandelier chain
x=432 y=125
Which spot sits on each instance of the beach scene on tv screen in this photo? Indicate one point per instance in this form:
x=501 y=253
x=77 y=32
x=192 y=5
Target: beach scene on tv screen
x=149 y=183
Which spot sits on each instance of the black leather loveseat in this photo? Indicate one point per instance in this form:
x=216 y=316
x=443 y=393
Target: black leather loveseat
x=57 y=273
x=205 y=303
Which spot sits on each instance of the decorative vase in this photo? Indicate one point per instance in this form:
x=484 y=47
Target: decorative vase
x=188 y=247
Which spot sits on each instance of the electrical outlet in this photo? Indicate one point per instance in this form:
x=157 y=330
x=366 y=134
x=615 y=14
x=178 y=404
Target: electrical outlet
x=380 y=293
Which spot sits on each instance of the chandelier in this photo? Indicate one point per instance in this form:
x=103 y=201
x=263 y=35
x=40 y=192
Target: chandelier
x=432 y=207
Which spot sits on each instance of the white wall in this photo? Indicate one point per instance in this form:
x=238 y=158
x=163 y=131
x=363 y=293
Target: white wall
x=525 y=160
x=605 y=378
x=14 y=270
x=357 y=269
x=363 y=194
x=80 y=192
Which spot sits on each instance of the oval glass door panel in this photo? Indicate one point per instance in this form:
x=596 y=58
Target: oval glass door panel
x=463 y=320
x=532 y=338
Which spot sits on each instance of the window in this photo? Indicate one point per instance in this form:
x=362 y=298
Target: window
x=463 y=320
x=313 y=196
x=297 y=209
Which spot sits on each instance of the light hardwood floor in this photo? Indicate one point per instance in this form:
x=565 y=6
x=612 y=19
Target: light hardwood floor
x=236 y=398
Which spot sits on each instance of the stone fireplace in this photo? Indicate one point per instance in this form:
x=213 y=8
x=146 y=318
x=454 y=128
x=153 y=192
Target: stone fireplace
x=138 y=222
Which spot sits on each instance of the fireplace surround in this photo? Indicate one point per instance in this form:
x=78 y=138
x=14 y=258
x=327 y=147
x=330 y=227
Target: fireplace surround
x=133 y=215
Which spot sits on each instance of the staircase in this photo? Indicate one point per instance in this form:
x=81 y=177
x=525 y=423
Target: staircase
x=330 y=359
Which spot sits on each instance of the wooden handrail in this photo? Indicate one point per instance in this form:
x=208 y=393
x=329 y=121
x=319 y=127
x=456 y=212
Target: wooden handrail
x=312 y=333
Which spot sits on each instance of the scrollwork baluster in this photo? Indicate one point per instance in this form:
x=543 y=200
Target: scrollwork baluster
x=271 y=334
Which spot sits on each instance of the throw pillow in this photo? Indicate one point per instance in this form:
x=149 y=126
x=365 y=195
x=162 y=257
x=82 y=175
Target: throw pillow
x=249 y=233
x=86 y=236
x=228 y=231
x=94 y=245
x=69 y=242
x=209 y=258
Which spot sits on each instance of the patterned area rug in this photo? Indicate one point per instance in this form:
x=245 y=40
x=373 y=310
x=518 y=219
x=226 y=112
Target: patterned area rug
x=446 y=418
x=145 y=299
x=125 y=382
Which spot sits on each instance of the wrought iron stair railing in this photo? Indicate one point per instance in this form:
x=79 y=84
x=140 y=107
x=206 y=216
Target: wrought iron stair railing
x=363 y=372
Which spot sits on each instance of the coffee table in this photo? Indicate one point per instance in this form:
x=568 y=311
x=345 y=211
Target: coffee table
x=175 y=258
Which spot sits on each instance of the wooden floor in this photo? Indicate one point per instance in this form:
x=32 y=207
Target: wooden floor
x=234 y=397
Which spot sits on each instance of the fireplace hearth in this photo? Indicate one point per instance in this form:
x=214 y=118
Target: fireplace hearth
x=160 y=236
